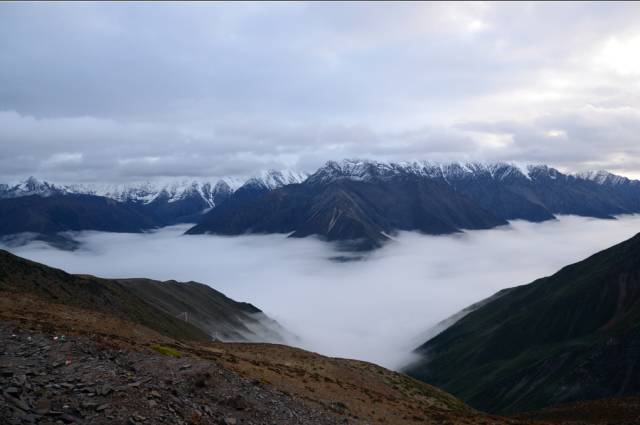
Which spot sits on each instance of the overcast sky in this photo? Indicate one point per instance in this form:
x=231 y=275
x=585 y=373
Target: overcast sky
x=125 y=91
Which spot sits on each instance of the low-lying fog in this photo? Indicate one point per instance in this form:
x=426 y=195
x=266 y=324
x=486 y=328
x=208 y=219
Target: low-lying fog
x=372 y=309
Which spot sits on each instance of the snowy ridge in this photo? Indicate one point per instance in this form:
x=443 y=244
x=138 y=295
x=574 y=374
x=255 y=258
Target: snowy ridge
x=368 y=170
x=168 y=190
x=605 y=178
x=30 y=186
x=273 y=179
x=365 y=170
x=145 y=192
x=172 y=190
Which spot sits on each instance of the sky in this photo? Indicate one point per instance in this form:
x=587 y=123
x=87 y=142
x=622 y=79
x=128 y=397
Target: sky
x=129 y=91
x=378 y=309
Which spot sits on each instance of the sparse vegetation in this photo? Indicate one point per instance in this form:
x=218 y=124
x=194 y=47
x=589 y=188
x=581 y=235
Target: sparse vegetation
x=167 y=351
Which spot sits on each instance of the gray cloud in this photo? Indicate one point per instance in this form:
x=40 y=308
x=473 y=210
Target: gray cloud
x=585 y=138
x=371 y=310
x=122 y=91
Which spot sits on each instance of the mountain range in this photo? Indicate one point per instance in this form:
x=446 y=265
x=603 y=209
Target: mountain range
x=364 y=203
x=360 y=204
x=572 y=336
x=45 y=208
x=146 y=192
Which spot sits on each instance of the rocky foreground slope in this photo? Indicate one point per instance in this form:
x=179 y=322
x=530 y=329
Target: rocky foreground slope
x=75 y=379
x=110 y=357
x=66 y=363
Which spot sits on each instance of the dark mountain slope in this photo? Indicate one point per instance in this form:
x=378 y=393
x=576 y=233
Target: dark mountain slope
x=150 y=303
x=339 y=213
x=58 y=213
x=566 y=194
x=277 y=211
x=220 y=316
x=568 y=337
x=504 y=190
x=104 y=295
x=543 y=192
x=185 y=207
x=351 y=210
x=186 y=210
x=366 y=201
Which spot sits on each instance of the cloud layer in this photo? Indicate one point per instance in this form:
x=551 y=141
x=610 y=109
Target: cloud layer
x=377 y=309
x=111 y=91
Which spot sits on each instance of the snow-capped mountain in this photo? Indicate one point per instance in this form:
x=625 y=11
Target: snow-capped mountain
x=273 y=179
x=371 y=170
x=30 y=186
x=606 y=178
x=173 y=190
x=140 y=205
x=345 y=200
x=365 y=170
x=368 y=200
x=146 y=192
x=166 y=191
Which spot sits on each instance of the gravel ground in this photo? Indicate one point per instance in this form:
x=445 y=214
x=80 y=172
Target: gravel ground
x=50 y=379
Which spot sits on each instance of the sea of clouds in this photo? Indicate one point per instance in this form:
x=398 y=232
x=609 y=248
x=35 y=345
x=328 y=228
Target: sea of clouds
x=377 y=309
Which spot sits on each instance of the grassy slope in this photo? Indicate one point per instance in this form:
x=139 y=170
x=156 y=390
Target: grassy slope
x=207 y=309
x=88 y=292
x=571 y=336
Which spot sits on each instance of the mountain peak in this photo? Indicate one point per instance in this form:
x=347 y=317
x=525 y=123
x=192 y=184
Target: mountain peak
x=354 y=169
x=368 y=169
x=273 y=179
x=31 y=186
x=603 y=177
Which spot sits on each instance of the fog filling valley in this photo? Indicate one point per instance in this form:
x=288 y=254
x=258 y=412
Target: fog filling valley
x=377 y=309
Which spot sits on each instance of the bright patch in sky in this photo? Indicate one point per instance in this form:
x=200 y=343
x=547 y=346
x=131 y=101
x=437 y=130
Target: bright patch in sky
x=623 y=56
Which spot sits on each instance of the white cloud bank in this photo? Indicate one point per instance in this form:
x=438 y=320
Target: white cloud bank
x=372 y=309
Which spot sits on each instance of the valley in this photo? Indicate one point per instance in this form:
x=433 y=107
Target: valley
x=89 y=365
x=375 y=309
x=80 y=349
